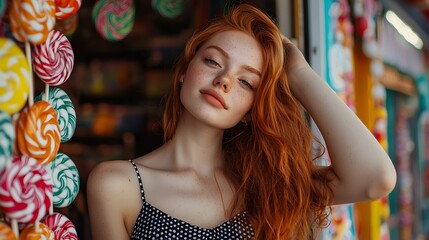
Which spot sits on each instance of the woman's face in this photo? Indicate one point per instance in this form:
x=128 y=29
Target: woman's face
x=220 y=82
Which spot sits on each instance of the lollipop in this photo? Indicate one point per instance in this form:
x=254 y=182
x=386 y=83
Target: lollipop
x=6 y=232
x=62 y=227
x=168 y=8
x=65 y=180
x=14 y=72
x=42 y=233
x=114 y=19
x=7 y=137
x=25 y=190
x=66 y=8
x=66 y=115
x=67 y=26
x=32 y=20
x=53 y=60
x=38 y=132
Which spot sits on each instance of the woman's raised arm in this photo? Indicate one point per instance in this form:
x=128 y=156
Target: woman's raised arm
x=362 y=169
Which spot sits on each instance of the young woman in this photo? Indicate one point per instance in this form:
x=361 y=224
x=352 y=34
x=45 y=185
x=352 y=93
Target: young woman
x=238 y=162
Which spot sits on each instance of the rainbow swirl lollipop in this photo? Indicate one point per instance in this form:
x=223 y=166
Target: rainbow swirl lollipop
x=25 y=190
x=6 y=232
x=62 y=227
x=32 y=20
x=38 y=132
x=114 y=20
x=168 y=8
x=42 y=233
x=66 y=114
x=14 y=75
x=7 y=138
x=65 y=180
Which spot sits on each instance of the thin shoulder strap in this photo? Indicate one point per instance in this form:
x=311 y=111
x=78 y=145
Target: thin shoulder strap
x=139 y=179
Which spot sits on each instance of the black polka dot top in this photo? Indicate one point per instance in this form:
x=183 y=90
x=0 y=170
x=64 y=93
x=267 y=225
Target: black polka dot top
x=153 y=223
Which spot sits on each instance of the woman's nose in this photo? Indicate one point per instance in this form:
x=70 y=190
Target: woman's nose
x=223 y=81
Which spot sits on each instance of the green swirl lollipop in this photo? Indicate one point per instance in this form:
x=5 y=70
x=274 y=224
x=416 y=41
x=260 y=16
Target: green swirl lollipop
x=168 y=8
x=7 y=137
x=65 y=180
x=66 y=115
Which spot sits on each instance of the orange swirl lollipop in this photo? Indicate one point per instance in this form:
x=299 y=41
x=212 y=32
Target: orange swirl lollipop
x=32 y=20
x=66 y=8
x=6 y=232
x=38 y=133
x=43 y=232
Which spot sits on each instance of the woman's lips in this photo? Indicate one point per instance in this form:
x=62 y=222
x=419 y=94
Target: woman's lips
x=214 y=98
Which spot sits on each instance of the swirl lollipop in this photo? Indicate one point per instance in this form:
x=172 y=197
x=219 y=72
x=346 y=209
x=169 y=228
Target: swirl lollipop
x=42 y=232
x=66 y=8
x=168 y=8
x=25 y=190
x=6 y=232
x=65 y=180
x=7 y=138
x=62 y=227
x=114 y=20
x=32 y=20
x=53 y=60
x=66 y=114
x=38 y=132
x=14 y=72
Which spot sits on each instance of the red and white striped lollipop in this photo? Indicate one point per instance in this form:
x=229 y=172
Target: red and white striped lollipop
x=25 y=190
x=62 y=227
x=66 y=8
x=53 y=60
x=38 y=133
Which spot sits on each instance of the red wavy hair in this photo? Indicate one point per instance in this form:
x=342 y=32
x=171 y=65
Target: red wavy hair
x=269 y=161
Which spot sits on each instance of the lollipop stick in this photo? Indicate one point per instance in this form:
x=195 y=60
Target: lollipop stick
x=30 y=64
x=36 y=226
x=46 y=92
x=15 y=228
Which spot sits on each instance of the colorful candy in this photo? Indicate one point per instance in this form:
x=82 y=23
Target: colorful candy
x=66 y=8
x=38 y=132
x=25 y=190
x=6 y=232
x=67 y=26
x=114 y=20
x=66 y=114
x=43 y=232
x=168 y=8
x=7 y=138
x=32 y=20
x=53 y=60
x=65 y=180
x=62 y=227
x=14 y=75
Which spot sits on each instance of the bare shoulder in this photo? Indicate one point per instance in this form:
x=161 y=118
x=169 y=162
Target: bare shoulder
x=110 y=173
x=113 y=199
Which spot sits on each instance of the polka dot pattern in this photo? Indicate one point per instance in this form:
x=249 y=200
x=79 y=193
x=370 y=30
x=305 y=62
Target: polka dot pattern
x=152 y=223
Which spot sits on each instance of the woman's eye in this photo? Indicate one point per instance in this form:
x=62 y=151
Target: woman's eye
x=246 y=83
x=212 y=62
